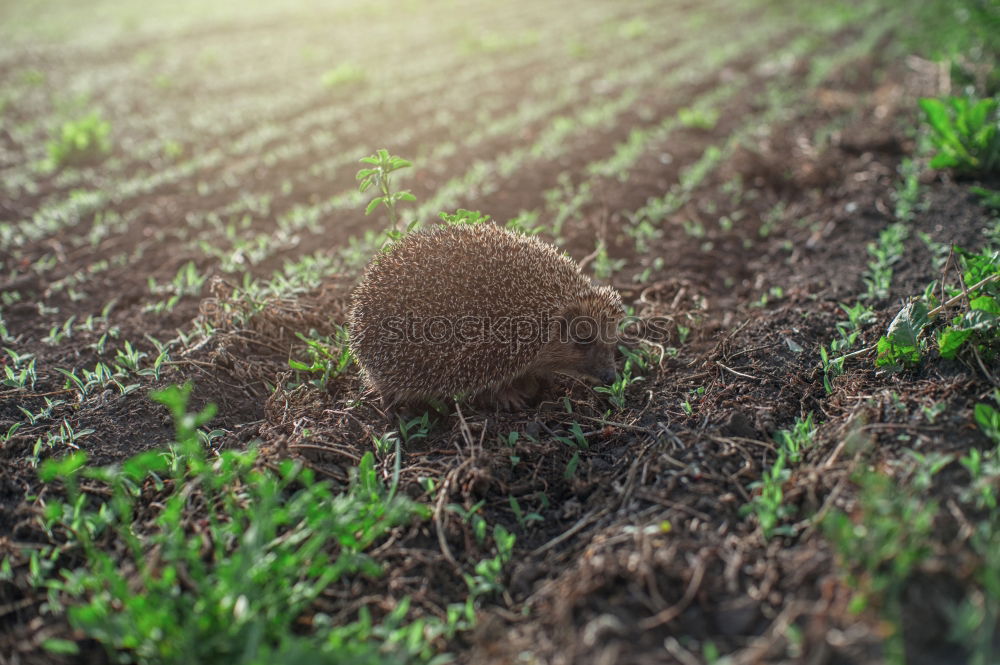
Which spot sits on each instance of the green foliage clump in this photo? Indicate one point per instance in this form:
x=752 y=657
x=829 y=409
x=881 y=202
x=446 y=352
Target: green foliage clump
x=966 y=133
x=977 y=327
x=81 y=141
x=882 y=543
x=225 y=563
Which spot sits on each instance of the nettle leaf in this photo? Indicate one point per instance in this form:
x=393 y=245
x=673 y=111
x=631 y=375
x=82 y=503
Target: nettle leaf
x=951 y=340
x=908 y=324
x=985 y=304
x=980 y=321
x=901 y=344
x=894 y=356
x=975 y=321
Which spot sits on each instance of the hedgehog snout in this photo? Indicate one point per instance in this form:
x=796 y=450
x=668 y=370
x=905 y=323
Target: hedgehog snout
x=606 y=374
x=600 y=362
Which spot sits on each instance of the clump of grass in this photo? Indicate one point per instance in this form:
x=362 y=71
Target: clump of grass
x=224 y=565
x=80 y=141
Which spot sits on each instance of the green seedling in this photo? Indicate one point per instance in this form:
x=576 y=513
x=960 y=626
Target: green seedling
x=616 y=391
x=524 y=520
x=328 y=356
x=858 y=316
x=979 y=327
x=908 y=191
x=884 y=254
x=472 y=518
x=59 y=333
x=415 y=428
x=62 y=439
x=187 y=282
x=604 y=266
x=698 y=118
x=989 y=198
x=486 y=579
x=379 y=176
x=20 y=372
x=768 y=500
x=797 y=439
x=832 y=367
x=79 y=142
x=129 y=357
x=344 y=74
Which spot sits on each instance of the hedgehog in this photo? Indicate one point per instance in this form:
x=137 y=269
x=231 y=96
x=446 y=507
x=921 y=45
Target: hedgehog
x=478 y=312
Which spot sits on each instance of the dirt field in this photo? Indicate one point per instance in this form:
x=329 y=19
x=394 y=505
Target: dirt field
x=731 y=167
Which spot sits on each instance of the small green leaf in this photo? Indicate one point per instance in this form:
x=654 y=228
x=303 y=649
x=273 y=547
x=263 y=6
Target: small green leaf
x=55 y=645
x=951 y=340
x=374 y=203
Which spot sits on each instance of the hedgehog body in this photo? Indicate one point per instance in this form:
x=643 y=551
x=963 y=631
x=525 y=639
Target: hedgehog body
x=477 y=310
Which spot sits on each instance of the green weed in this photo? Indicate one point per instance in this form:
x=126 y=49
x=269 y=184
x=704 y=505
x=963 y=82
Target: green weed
x=698 y=118
x=797 y=439
x=79 y=142
x=965 y=132
x=979 y=327
x=884 y=254
x=616 y=391
x=379 y=176
x=881 y=544
x=327 y=356
x=260 y=551
x=768 y=499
